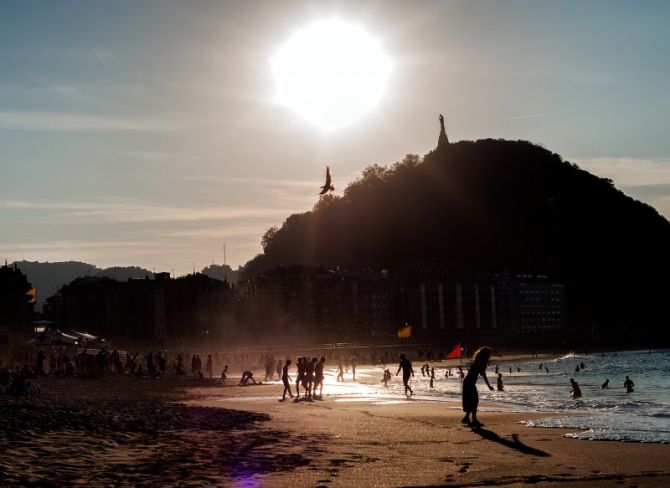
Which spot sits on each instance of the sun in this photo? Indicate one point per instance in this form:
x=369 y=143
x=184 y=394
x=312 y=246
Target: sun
x=331 y=73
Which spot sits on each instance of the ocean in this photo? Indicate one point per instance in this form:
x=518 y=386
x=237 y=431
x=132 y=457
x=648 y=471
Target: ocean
x=600 y=414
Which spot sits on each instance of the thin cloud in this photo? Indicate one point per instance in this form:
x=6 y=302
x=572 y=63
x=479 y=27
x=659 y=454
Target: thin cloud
x=629 y=172
x=527 y=116
x=78 y=122
x=130 y=212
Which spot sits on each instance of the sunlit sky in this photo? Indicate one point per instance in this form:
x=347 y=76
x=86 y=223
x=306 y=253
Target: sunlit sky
x=148 y=133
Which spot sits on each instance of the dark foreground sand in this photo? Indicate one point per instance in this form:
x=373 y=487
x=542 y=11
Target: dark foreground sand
x=129 y=432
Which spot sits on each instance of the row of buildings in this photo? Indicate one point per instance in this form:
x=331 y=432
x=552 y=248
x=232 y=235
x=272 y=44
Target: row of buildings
x=308 y=304
x=440 y=302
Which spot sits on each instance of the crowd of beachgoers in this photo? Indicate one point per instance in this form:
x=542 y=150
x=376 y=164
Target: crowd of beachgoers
x=21 y=368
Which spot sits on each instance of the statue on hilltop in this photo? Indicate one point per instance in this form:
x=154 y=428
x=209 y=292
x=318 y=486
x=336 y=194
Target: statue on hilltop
x=443 y=140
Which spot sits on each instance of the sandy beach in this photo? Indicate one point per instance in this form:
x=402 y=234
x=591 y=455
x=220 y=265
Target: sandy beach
x=130 y=431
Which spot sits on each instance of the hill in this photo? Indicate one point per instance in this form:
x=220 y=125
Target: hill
x=48 y=278
x=495 y=205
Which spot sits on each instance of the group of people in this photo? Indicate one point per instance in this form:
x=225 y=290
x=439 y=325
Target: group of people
x=310 y=375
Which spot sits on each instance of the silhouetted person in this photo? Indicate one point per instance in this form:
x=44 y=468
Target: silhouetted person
x=628 y=385
x=606 y=384
x=329 y=183
x=299 y=376
x=575 y=392
x=224 y=374
x=246 y=377
x=407 y=370
x=386 y=377
x=470 y=396
x=208 y=366
x=443 y=140
x=546 y=369
x=285 y=378
x=318 y=377
x=340 y=372
x=500 y=383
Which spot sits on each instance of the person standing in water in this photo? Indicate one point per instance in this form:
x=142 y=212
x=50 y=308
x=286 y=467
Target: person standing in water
x=407 y=370
x=340 y=372
x=500 y=383
x=575 y=392
x=628 y=385
x=470 y=396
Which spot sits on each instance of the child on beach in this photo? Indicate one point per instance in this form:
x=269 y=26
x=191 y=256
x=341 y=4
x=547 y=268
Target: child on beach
x=386 y=377
x=470 y=395
x=224 y=374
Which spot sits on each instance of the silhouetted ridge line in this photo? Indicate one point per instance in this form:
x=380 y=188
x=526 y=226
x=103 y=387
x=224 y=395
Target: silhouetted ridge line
x=496 y=205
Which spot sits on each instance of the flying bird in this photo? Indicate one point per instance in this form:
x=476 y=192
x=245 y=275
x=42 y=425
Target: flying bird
x=328 y=186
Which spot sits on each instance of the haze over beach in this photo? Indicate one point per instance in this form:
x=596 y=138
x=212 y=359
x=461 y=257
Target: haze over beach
x=369 y=243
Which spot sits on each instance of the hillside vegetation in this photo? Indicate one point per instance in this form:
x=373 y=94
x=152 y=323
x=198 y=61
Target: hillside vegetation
x=495 y=205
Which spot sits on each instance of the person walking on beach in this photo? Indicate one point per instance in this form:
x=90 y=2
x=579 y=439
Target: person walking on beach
x=340 y=372
x=299 y=375
x=285 y=378
x=470 y=396
x=406 y=367
x=208 y=366
x=628 y=385
x=575 y=392
x=318 y=378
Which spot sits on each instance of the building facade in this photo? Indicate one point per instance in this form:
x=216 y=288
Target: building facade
x=16 y=307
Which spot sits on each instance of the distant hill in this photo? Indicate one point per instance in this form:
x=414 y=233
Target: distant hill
x=48 y=278
x=495 y=205
x=221 y=272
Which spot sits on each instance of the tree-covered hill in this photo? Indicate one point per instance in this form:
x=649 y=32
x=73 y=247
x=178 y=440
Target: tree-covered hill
x=495 y=205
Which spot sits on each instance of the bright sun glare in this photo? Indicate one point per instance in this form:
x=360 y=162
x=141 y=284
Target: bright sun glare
x=331 y=73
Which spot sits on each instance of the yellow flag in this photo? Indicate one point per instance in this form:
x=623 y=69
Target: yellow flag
x=32 y=293
x=405 y=332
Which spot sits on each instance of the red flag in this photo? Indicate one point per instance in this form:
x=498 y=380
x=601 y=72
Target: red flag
x=455 y=352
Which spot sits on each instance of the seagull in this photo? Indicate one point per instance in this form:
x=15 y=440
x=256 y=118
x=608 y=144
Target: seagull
x=328 y=186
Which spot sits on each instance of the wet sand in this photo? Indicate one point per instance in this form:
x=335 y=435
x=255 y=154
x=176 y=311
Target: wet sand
x=129 y=431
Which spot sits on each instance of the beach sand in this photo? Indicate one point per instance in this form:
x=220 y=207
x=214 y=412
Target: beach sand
x=129 y=431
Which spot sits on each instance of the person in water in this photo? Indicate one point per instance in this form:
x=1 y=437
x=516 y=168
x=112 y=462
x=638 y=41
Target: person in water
x=575 y=392
x=470 y=396
x=500 y=383
x=406 y=367
x=628 y=384
x=606 y=384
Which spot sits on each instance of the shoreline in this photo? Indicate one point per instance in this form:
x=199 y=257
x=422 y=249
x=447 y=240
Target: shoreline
x=171 y=432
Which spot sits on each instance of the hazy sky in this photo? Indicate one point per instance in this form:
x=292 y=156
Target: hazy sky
x=146 y=133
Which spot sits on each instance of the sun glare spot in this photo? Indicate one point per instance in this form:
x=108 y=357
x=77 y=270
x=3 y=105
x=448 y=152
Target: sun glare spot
x=330 y=73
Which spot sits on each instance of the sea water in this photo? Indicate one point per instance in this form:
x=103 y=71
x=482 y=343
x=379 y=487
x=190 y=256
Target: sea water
x=604 y=414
